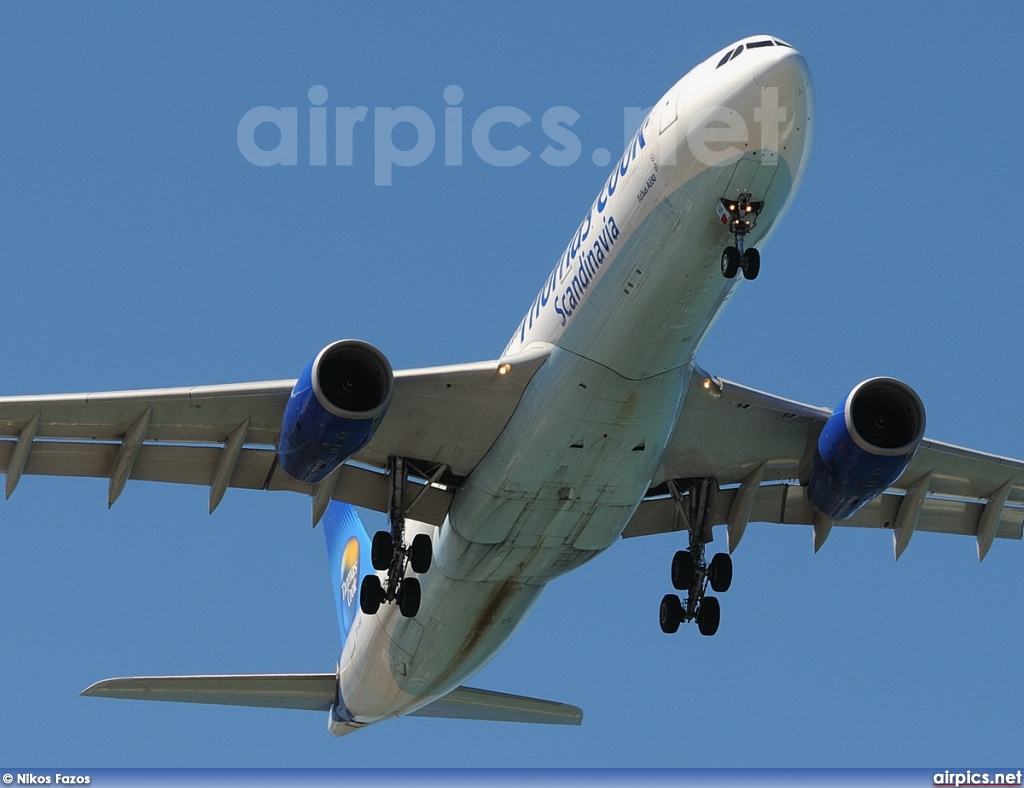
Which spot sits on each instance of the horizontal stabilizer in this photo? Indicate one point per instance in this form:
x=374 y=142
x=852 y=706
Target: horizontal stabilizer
x=316 y=692
x=312 y=691
x=468 y=703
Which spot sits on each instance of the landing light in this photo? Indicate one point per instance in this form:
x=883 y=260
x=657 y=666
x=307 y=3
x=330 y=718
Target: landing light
x=504 y=368
x=712 y=386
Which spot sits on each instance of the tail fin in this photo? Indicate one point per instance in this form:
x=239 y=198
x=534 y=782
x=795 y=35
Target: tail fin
x=348 y=550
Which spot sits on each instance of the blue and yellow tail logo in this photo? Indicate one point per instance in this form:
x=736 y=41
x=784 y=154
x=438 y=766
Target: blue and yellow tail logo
x=347 y=544
x=349 y=582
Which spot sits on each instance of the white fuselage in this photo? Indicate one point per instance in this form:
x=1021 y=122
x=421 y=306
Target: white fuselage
x=622 y=315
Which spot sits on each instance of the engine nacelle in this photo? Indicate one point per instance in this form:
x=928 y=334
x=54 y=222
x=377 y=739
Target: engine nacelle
x=865 y=446
x=334 y=409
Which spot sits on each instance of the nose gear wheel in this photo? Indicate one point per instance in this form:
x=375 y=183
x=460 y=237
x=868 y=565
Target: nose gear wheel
x=740 y=216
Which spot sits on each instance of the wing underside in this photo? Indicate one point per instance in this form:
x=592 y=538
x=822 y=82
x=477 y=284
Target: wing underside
x=446 y=418
x=759 y=448
x=443 y=419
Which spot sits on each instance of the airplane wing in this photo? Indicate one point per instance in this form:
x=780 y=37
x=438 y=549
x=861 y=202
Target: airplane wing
x=442 y=418
x=760 y=447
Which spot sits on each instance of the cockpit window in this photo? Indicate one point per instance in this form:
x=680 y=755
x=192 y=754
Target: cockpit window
x=729 y=56
x=767 y=42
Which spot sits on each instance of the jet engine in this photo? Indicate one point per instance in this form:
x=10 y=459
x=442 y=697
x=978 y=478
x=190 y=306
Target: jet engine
x=334 y=409
x=865 y=446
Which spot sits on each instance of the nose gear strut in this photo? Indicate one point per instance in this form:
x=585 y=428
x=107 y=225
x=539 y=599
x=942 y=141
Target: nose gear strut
x=740 y=215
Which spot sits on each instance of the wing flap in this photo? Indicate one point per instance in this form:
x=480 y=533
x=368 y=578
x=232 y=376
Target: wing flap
x=196 y=465
x=469 y=703
x=787 y=504
x=310 y=691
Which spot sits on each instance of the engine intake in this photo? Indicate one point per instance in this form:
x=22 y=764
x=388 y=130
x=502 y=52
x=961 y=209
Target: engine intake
x=865 y=446
x=334 y=409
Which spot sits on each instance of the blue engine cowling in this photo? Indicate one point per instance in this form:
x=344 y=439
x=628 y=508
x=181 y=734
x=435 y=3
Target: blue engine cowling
x=865 y=446
x=334 y=409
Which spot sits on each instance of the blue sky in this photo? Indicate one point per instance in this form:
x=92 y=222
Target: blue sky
x=140 y=248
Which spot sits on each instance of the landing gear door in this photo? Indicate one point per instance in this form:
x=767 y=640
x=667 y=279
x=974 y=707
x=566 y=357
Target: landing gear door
x=764 y=173
x=753 y=175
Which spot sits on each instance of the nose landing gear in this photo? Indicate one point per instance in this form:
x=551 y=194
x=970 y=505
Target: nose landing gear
x=690 y=571
x=389 y=552
x=740 y=216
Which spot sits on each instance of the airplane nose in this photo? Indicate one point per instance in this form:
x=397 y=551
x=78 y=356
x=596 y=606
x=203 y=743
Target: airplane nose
x=785 y=70
x=785 y=111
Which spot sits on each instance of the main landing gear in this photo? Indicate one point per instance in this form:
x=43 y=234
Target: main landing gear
x=690 y=571
x=741 y=217
x=389 y=552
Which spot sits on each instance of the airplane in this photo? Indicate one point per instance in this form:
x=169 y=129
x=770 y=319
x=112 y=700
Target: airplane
x=594 y=423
